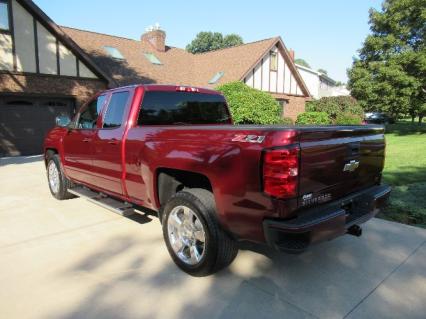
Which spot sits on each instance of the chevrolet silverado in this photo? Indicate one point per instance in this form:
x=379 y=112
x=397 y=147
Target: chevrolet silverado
x=174 y=150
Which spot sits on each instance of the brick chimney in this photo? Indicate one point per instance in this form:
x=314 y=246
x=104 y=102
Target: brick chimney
x=291 y=53
x=155 y=37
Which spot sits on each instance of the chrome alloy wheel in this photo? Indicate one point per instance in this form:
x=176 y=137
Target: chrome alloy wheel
x=186 y=235
x=53 y=175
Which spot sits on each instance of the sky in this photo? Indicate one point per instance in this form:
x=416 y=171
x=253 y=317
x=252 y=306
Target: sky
x=327 y=33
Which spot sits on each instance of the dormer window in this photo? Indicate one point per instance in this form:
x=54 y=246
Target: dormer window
x=152 y=58
x=4 y=16
x=273 y=65
x=114 y=52
x=216 y=77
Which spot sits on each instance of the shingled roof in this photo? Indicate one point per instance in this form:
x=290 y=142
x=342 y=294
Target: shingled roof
x=234 y=61
x=177 y=65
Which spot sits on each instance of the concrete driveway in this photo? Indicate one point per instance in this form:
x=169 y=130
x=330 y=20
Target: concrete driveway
x=72 y=259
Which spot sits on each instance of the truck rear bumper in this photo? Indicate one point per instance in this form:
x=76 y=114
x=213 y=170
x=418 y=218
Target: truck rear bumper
x=325 y=222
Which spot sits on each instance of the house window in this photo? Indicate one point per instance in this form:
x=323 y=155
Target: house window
x=282 y=104
x=4 y=16
x=54 y=103
x=273 y=66
x=216 y=77
x=152 y=58
x=19 y=102
x=114 y=52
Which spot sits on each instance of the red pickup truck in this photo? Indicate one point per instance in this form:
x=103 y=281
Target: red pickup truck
x=174 y=150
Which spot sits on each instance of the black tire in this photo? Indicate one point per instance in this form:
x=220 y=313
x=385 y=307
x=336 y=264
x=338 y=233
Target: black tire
x=64 y=183
x=219 y=250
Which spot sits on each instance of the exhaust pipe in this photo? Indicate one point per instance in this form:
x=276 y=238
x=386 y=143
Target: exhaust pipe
x=355 y=230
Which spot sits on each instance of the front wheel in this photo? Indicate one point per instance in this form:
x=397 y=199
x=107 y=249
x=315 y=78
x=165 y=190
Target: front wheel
x=193 y=236
x=58 y=183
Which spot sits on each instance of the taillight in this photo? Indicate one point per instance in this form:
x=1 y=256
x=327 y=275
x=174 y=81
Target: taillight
x=280 y=172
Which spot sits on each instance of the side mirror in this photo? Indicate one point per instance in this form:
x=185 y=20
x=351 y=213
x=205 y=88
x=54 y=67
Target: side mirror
x=62 y=120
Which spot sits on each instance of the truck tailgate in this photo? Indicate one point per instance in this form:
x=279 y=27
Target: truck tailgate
x=336 y=161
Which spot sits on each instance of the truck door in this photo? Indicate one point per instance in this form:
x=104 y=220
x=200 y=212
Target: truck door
x=107 y=159
x=78 y=142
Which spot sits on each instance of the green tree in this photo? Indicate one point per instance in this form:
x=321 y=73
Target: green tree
x=336 y=107
x=232 y=40
x=205 y=41
x=250 y=106
x=302 y=63
x=208 y=41
x=390 y=73
x=323 y=71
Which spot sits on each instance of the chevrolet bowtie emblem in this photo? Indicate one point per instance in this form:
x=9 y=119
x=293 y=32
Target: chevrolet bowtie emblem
x=351 y=166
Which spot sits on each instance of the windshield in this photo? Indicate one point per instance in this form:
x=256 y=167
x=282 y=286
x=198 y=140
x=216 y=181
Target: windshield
x=167 y=108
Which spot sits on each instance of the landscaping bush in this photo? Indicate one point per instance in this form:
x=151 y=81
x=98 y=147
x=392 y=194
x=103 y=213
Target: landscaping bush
x=335 y=106
x=347 y=118
x=286 y=121
x=314 y=118
x=250 y=106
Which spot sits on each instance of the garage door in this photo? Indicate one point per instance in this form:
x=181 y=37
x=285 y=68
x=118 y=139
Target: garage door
x=24 y=122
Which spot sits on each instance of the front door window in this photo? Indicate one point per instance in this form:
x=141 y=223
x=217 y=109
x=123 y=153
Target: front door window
x=89 y=116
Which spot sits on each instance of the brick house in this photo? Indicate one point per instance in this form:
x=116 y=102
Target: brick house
x=43 y=73
x=320 y=84
x=47 y=70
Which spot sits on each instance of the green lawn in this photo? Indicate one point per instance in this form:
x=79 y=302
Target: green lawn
x=405 y=170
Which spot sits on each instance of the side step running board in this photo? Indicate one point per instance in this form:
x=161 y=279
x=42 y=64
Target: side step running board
x=114 y=205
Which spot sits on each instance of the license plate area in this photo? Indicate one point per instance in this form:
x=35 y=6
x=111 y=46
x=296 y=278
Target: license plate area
x=357 y=207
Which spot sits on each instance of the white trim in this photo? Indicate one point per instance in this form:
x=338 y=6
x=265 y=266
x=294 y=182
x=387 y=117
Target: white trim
x=307 y=69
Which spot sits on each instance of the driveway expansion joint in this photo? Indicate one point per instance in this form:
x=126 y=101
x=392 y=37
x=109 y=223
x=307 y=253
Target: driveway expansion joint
x=386 y=278
x=280 y=298
x=59 y=233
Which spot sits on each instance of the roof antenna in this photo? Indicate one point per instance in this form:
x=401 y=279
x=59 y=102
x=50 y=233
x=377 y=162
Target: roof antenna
x=154 y=27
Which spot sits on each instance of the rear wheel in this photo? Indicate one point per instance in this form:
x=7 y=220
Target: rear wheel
x=58 y=183
x=193 y=236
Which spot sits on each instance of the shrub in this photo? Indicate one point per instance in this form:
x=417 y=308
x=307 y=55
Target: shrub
x=250 y=106
x=347 y=118
x=286 y=121
x=315 y=118
x=335 y=105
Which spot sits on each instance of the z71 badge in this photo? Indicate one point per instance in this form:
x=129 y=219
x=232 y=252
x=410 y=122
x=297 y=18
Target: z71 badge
x=249 y=138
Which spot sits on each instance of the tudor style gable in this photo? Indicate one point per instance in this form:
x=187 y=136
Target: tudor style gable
x=30 y=43
x=276 y=73
x=43 y=74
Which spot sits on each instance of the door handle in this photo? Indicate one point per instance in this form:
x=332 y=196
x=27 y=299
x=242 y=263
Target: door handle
x=113 y=141
x=86 y=140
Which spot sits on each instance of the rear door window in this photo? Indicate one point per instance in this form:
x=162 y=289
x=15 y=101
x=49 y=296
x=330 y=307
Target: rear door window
x=115 y=110
x=168 y=108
